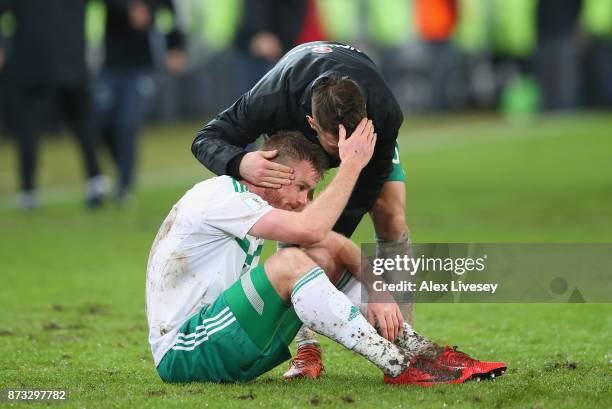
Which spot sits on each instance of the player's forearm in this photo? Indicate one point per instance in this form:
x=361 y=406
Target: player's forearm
x=321 y=215
x=350 y=256
x=225 y=137
x=347 y=254
x=213 y=151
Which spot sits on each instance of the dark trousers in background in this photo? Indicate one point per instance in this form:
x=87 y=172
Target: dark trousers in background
x=602 y=70
x=558 y=71
x=31 y=108
x=121 y=101
x=442 y=58
x=250 y=70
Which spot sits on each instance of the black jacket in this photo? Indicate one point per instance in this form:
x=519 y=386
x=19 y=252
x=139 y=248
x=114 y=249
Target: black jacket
x=49 y=42
x=129 y=48
x=281 y=101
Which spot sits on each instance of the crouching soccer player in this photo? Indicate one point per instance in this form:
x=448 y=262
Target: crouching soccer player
x=214 y=315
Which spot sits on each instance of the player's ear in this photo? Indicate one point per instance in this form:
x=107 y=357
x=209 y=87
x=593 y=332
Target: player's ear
x=311 y=122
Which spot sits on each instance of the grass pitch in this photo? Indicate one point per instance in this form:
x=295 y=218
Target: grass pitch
x=72 y=293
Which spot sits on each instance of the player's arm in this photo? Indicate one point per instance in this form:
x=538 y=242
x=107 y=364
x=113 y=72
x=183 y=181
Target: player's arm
x=316 y=220
x=374 y=174
x=220 y=144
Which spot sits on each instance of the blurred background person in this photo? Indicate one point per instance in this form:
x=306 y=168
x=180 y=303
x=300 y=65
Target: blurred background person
x=597 y=21
x=436 y=21
x=270 y=28
x=46 y=75
x=557 y=59
x=134 y=49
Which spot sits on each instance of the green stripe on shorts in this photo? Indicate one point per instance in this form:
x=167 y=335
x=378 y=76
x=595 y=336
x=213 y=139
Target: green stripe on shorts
x=257 y=306
x=397 y=172
x=213 y=346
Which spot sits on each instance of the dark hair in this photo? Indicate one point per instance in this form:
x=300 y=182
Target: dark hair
x=292 y=146
x=338 y=100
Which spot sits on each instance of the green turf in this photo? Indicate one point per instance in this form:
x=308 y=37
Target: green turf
x=72 y=293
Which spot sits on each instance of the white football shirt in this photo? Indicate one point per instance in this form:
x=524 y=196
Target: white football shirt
x=200 y=250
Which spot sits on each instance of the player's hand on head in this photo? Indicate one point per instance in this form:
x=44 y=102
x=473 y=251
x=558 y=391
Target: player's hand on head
x=258 y=169
x=387 y=318
x=359 y=147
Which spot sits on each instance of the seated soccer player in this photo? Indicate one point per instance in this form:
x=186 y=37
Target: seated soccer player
x=216 y=315
x=340 y=258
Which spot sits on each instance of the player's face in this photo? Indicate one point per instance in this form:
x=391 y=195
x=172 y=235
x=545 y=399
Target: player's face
x=298 y=194
x=328 y=141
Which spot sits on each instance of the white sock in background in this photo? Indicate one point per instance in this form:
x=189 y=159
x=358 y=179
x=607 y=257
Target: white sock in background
x=326 y=310
x=306 y=336
x=357 y=294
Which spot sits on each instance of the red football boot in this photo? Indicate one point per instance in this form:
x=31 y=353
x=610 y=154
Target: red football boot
x=307 y=363
x=454 y=358
x=424 y=372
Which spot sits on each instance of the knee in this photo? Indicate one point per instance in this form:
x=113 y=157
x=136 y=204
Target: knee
x=323 y=258
x=285 y=267
x=290 y=263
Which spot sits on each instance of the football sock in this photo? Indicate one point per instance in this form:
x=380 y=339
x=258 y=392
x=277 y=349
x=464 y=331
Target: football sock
x=356 y=293
x=352 y=289
x=321 y=307
x=416 y=344
x=390 y=249
x=306 y=336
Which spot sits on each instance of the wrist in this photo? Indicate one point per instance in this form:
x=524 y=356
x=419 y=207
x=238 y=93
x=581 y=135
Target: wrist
x=233 y=166
x=350 y=166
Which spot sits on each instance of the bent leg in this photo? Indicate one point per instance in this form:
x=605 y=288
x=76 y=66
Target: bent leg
x=388 y=212
x=244 y=338
x=393 y=235
x=321 y=307
x=243 y=334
